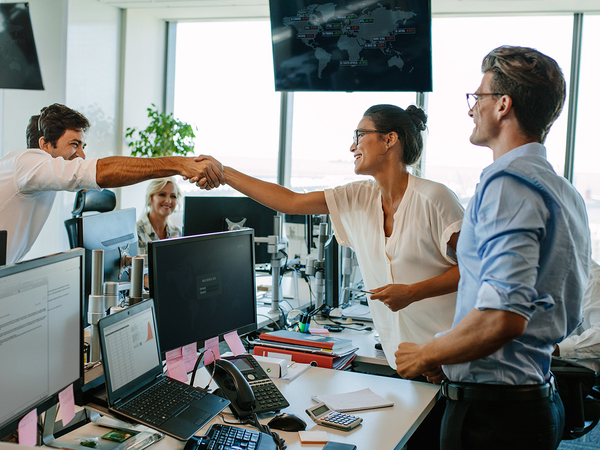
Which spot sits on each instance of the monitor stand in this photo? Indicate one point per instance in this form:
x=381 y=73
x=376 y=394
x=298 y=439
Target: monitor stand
x=53 y=427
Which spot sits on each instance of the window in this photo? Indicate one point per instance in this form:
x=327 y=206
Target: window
x=587 y=148
x=459 y=45
x=224 y=85
x=322 y=135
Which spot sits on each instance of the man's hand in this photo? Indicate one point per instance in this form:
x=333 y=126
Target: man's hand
x=205 y=183
x=204 y=172
x=435 y=376
x=395 y=296
x=410 y=362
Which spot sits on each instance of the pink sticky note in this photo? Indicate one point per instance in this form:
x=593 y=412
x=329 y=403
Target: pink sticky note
x=173 y=354
x=176 y=369
x=189 y=356
x=235 y=343
x=318 y=331
x=211 y=349
x=28 y=429
x=66 y=399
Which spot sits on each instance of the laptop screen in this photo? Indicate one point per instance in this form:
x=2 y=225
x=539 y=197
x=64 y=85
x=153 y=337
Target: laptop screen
x=130 y=349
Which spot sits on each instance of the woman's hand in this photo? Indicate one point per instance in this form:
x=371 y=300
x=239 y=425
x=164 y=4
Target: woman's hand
x=395 y=296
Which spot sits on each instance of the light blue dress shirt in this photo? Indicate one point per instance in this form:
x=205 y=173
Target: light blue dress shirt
x=524 y=247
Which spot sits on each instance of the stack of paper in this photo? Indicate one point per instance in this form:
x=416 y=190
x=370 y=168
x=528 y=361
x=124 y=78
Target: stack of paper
x=354 y=401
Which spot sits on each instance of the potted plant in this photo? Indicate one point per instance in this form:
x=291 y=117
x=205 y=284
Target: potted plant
x=165 y=136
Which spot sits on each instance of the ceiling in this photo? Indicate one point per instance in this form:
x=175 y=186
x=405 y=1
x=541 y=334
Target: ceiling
x=228 y=9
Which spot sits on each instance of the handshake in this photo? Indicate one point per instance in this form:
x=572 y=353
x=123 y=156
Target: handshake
x=205 y=171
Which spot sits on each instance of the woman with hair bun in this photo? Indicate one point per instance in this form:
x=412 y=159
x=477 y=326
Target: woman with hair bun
x=403 y=228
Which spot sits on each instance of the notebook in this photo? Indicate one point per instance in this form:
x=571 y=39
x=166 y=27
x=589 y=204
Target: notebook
x=135 y=384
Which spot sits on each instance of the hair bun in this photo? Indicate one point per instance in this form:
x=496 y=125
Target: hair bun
x=418 y=117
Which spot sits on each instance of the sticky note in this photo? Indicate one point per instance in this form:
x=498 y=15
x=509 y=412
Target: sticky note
x=176 y=369
x=235 y=343
x=190 y=355
x=211 y=350
x=319 y=331
x=173 y=354
x=66 y=399
x=313 y=437
x=28 y=429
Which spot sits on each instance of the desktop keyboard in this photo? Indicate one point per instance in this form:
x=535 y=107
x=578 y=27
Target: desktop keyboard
x=227 y=437
x=160 y=402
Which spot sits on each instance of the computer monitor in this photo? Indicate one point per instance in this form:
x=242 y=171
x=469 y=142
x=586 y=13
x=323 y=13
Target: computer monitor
x=203 y=286
x=20 y=68
x=114 y=232
x=211 y=214
x=41 y=333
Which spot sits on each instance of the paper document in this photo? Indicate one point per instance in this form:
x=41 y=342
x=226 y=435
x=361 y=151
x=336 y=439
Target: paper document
x=354 y=401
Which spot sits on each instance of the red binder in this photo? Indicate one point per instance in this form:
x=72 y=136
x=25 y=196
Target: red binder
x=299 y=357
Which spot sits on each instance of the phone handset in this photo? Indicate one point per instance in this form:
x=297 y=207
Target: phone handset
x=235 y=387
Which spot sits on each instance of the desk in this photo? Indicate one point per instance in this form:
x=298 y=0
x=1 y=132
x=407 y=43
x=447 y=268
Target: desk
x=386 y=428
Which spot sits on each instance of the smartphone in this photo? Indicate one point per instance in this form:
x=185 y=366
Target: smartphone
x=324 y=415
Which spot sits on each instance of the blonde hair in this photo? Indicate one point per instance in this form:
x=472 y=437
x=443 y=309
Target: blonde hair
x=155 y=187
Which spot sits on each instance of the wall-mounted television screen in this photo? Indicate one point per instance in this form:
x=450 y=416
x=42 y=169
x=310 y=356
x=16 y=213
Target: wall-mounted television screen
x=369 y=45
x=19 y=65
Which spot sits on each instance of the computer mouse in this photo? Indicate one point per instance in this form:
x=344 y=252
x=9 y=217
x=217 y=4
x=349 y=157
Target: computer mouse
x=287 y=422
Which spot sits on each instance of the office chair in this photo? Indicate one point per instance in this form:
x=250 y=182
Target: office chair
x=88 y=200
x=579 y=390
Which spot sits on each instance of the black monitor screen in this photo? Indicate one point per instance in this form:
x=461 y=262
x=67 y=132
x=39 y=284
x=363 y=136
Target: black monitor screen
x=211 y=214
x=3 y=246
x=41 y=333
x=19 y=68
x=203 y=286
x=382 y=45
x=113 y=232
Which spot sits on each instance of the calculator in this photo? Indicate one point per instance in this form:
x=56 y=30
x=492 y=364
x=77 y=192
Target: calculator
x=324 y=415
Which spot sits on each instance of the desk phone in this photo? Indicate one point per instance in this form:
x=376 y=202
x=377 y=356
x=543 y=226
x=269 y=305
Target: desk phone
x=246 y=385
x=324 y=415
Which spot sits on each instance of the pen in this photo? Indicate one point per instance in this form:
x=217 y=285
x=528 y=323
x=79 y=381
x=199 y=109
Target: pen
x=362 y=291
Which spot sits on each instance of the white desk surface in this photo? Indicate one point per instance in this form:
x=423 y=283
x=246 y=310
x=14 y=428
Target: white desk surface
x=385 y=428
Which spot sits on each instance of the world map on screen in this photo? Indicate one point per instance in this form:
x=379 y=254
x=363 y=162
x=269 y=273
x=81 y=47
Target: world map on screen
x=361 y=46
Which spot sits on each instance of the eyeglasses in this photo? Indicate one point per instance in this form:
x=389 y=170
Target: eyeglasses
x=475 y=97
x=359 y=132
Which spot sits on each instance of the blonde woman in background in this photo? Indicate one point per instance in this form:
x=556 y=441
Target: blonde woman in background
x=161 y=200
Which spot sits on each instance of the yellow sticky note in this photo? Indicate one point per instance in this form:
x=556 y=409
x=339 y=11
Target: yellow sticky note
x=313 y=437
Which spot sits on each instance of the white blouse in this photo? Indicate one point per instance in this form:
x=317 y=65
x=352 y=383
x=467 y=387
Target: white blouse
x=417 y=250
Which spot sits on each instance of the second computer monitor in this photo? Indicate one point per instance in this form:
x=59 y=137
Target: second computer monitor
x=203 y=286
x=205 y=214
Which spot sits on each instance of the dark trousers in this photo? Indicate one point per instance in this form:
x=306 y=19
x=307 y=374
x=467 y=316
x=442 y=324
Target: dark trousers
x=514 y=425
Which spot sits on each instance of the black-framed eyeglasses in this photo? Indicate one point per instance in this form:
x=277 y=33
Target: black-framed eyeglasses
x=472 y=98
x=359 y=132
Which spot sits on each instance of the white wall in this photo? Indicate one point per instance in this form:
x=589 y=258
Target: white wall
x=143 y=83
x=107 y=63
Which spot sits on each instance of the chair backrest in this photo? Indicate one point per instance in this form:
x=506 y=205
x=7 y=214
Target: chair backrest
x=576 y=389
x=88 y=200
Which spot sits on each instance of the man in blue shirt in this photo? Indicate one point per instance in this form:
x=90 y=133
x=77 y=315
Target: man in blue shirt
x=524 y=255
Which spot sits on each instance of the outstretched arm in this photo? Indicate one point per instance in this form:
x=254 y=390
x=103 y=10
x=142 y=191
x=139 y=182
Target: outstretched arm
x=272 y=195
x=117 y=171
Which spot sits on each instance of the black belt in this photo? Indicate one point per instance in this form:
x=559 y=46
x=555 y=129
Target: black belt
x=497 y=392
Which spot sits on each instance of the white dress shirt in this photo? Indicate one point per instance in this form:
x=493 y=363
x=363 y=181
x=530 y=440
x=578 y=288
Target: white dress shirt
x=583 y=345
x=29 y=180
x=428 y=215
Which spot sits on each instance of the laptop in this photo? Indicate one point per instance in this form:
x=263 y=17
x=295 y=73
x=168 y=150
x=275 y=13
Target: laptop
x=136 y=386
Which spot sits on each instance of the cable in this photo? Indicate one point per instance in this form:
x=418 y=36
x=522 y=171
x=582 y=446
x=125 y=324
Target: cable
x=265 y=429
x=196 y=368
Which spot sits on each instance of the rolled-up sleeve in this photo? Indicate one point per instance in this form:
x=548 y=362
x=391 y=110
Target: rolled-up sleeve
x=38 y=171
x=510 y=222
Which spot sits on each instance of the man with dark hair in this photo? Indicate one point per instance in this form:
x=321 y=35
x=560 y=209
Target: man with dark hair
x=524 y=256
x=56 y=161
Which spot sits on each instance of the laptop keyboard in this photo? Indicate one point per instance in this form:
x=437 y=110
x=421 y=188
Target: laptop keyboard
x=226 y=437
x=160 y=402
